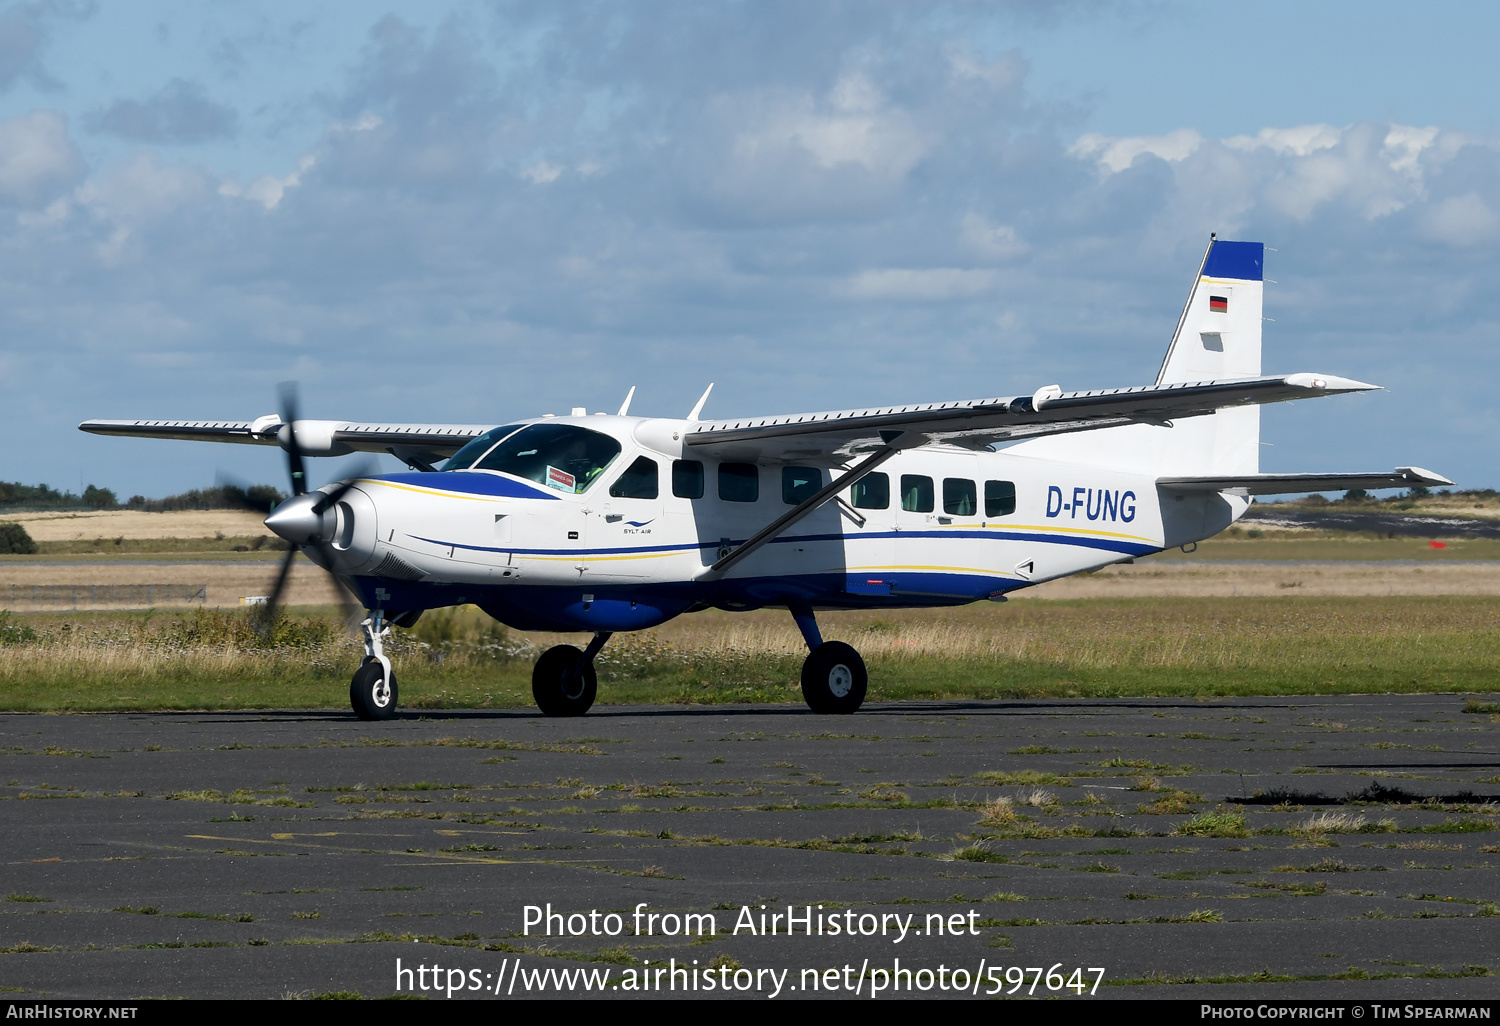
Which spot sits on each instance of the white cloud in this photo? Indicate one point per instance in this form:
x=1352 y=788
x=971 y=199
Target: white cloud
x=1376 y=170
x=1297 y=142
x=853 y=126
x=923 y=284
x=1404 y=145
x=366 y=122
x=136 y=193
x=997 y=241
x=1116 y=153
x=268 y=190
x=141 y=189
x=37 y=159
x=1004 y=72
x=1461 y=221
x=542 y=172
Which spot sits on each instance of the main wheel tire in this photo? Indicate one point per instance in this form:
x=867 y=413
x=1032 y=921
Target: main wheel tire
x=834 y=679
x=369 y=696
x=558 y=686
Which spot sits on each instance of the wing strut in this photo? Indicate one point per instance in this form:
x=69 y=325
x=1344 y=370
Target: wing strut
x=808 y=505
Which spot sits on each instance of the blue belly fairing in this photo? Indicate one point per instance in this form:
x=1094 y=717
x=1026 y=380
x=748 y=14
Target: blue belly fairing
x=639 y=607
x=585 y=606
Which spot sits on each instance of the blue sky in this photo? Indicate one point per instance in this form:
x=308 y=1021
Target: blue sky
x=470 y=212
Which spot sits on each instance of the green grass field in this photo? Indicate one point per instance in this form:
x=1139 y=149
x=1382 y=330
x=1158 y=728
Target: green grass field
x=1194 y=647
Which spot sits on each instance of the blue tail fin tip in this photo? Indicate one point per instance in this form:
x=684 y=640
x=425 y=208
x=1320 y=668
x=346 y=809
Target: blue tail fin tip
x=1244 y=261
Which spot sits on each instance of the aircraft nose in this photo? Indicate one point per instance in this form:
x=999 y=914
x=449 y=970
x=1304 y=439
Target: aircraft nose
x=297 y=520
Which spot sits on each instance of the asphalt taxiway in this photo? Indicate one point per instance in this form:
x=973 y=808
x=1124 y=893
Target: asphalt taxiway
x=1298 y=847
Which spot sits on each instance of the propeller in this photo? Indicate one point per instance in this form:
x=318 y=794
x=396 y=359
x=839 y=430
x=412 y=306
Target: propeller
x=300 y=518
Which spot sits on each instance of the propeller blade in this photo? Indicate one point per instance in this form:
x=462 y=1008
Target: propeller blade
x=327 y=556
x=352 y=611
x=293 y=451
x=273 y=601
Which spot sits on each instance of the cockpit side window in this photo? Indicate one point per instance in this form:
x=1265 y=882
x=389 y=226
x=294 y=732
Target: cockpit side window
x=559 y=456
x=638 y=482
x=477 y=447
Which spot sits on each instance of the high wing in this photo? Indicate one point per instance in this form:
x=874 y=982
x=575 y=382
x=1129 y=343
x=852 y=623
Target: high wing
x=421 y=442
x=978 y=423
x=1285 y=484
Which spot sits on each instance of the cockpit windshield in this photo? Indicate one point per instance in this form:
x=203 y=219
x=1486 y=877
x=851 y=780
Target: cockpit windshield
x=559 y=456
x=477 y=447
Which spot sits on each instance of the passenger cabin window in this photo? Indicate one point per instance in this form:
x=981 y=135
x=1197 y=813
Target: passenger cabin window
x=999 y=498
x=959 y=497
x=638 y=481
x=739 y=482
x=558 y=456
x=798 y=484
x=477 y=447
x=873 y=491
x=687 y=479
x=916 y=493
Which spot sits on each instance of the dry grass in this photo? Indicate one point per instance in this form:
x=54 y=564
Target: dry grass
x=1343 y=823
x=460 y=658
x=135 y=524
x=1103 y=635
x=999 y=813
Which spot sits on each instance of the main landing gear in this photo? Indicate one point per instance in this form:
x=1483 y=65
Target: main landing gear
x=563 y=681
x=834 y=680
x=372 y=692
x=833 y=676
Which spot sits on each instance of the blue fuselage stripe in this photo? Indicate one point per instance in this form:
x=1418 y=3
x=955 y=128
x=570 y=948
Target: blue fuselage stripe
x=1107 y=544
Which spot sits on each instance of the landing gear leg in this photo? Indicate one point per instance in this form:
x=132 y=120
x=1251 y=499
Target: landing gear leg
x=833 y=677
x=564 y=682
x=372 y=692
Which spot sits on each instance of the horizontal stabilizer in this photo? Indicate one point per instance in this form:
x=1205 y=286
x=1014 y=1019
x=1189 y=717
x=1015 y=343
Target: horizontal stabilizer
x=1285 y=484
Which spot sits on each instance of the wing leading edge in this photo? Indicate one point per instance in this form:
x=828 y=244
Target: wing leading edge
x=316 y=437
x=978 y=423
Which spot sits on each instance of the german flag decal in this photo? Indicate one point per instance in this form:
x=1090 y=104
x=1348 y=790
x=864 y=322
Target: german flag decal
x=1218 y=304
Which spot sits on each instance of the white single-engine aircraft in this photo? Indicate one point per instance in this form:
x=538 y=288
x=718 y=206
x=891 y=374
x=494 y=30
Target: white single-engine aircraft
x=619 y=523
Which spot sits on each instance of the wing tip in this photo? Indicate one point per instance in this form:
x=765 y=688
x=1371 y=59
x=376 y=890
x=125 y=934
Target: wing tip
x=1421 y=476
x=1330 y=383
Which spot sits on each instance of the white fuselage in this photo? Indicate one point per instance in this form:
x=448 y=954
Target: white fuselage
x=443 y=529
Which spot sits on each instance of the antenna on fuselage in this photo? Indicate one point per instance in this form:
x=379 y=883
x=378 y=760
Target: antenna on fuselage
x=698 y=406
x=626 y=404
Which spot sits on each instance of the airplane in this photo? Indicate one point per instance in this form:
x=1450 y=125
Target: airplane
x=612 y=522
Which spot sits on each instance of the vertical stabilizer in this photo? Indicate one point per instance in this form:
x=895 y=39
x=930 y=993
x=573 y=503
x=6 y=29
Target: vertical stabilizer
x=1218 y=334
x=1217 y=337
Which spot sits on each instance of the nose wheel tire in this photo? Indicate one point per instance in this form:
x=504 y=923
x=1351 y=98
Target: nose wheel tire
x=560 y=686
x=834 y=679
x=370 y=695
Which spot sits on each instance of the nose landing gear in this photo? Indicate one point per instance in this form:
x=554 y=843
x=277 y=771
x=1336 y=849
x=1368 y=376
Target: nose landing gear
x=563 y=681
x=372 y=692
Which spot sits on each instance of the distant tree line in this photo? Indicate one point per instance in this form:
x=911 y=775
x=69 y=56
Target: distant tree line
x=228 y=496
x=15 y=497
x=46 y=497
x=1360 y=496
